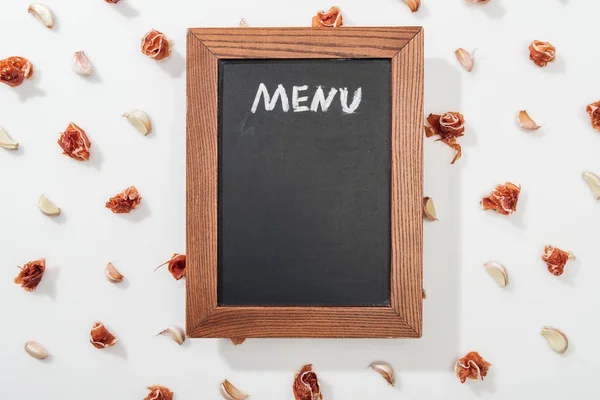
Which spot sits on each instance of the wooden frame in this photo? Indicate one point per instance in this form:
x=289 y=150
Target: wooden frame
x=403 y=318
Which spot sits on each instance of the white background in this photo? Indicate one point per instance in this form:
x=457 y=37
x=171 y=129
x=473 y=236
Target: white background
x=464 y=310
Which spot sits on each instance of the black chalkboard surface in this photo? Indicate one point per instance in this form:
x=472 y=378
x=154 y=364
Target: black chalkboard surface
x=303 y=193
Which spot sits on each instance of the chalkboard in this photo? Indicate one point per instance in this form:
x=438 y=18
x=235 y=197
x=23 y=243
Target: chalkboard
x=304 y=182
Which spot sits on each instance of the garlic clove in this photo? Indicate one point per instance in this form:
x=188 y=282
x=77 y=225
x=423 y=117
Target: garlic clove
x=429 y=209
x=384 y=369
x=112 y=274
x=175 y=332
x=594 y=181
x=43 y=14
x=230 y=392
x=7 y=142
x=464 y=58
x=47 y=207
x=526 y=122
x=243 y=23
x=36 y=350
x=498 y=272
x=556 y=339
x=81 y=64
x=413 y=4
x=140 y=120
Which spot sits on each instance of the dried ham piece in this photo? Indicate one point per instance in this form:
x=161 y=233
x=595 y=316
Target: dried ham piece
x=503 y=199
x=449 y=127
x=306 y=385
x=100 y=337
x=471 y=366
x=14 y=70
x=75 y=143
x=331 y=18
x=125 y=201
x=541 y=53
x=594 y=111
x=556 y=259
x=159 y=393
x=156 y=45
x=31 y=274
x=176 y=266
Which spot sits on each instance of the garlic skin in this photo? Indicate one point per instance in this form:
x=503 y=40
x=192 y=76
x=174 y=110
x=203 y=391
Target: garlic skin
x=140 y=120
x=112 y=274
x=593 y=181
x=498 y=272
x=230 y=392
x=243 y=23
x=464 y=58
x=81 y=64
x=43 y=14
x=36 y=350
x=429 y=209
x=526 y=122
x=385 y=370
x=6 y=141
x=413 y=4
x=175 y=332
x=47 y=207
x=556 y=339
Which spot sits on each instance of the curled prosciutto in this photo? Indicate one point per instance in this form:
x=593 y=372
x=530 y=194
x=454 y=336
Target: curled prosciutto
x=331 y=18
x=176 y=266
x=156 y=45
x=100 y=337
x=556 y=259
x=503 y=199
x=125 y=201
x=471 y=366
x=13 y=70
x=541 y=53
x=75 y=143
x=594 y=112
x=31 y=274
x=306 y=385
x=159 y=393
x=449 y=127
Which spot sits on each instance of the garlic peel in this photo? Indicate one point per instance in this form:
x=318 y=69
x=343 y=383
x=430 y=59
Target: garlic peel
x=498 y=272
x=429 y=209
x=230 y=392
x=385 y=370
x=140 y=120
x=42 y=13
x=464 y=58
x=243 y=23
x=526 y=122
x=112 y=274
x=175 y=332
x=593 y=181
x=36 y=350
x=556 y=339
x=81 y=64
x=7 y=142
x=413 y=4
x=47 y=207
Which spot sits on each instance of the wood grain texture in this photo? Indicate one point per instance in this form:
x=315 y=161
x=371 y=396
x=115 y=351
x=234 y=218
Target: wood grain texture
x=407 y=183
x=376 y=42
x=404 y=46
x=202 y=164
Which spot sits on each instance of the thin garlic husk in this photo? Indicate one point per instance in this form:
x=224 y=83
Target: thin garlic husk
x=112 y=274
x=43 y=14
x=385 y=370
x=140 y=120
x=593 y=181
x=47 y=207
x=175 y=332
x=429 y=209
x=498 y=272
x=36 y=350
x=7 y=142
x=230 y=392
x=413 y=4
x=81 y=64
x=465 y=59
x=243 y=23
x=526 y=122
x=556 y=339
